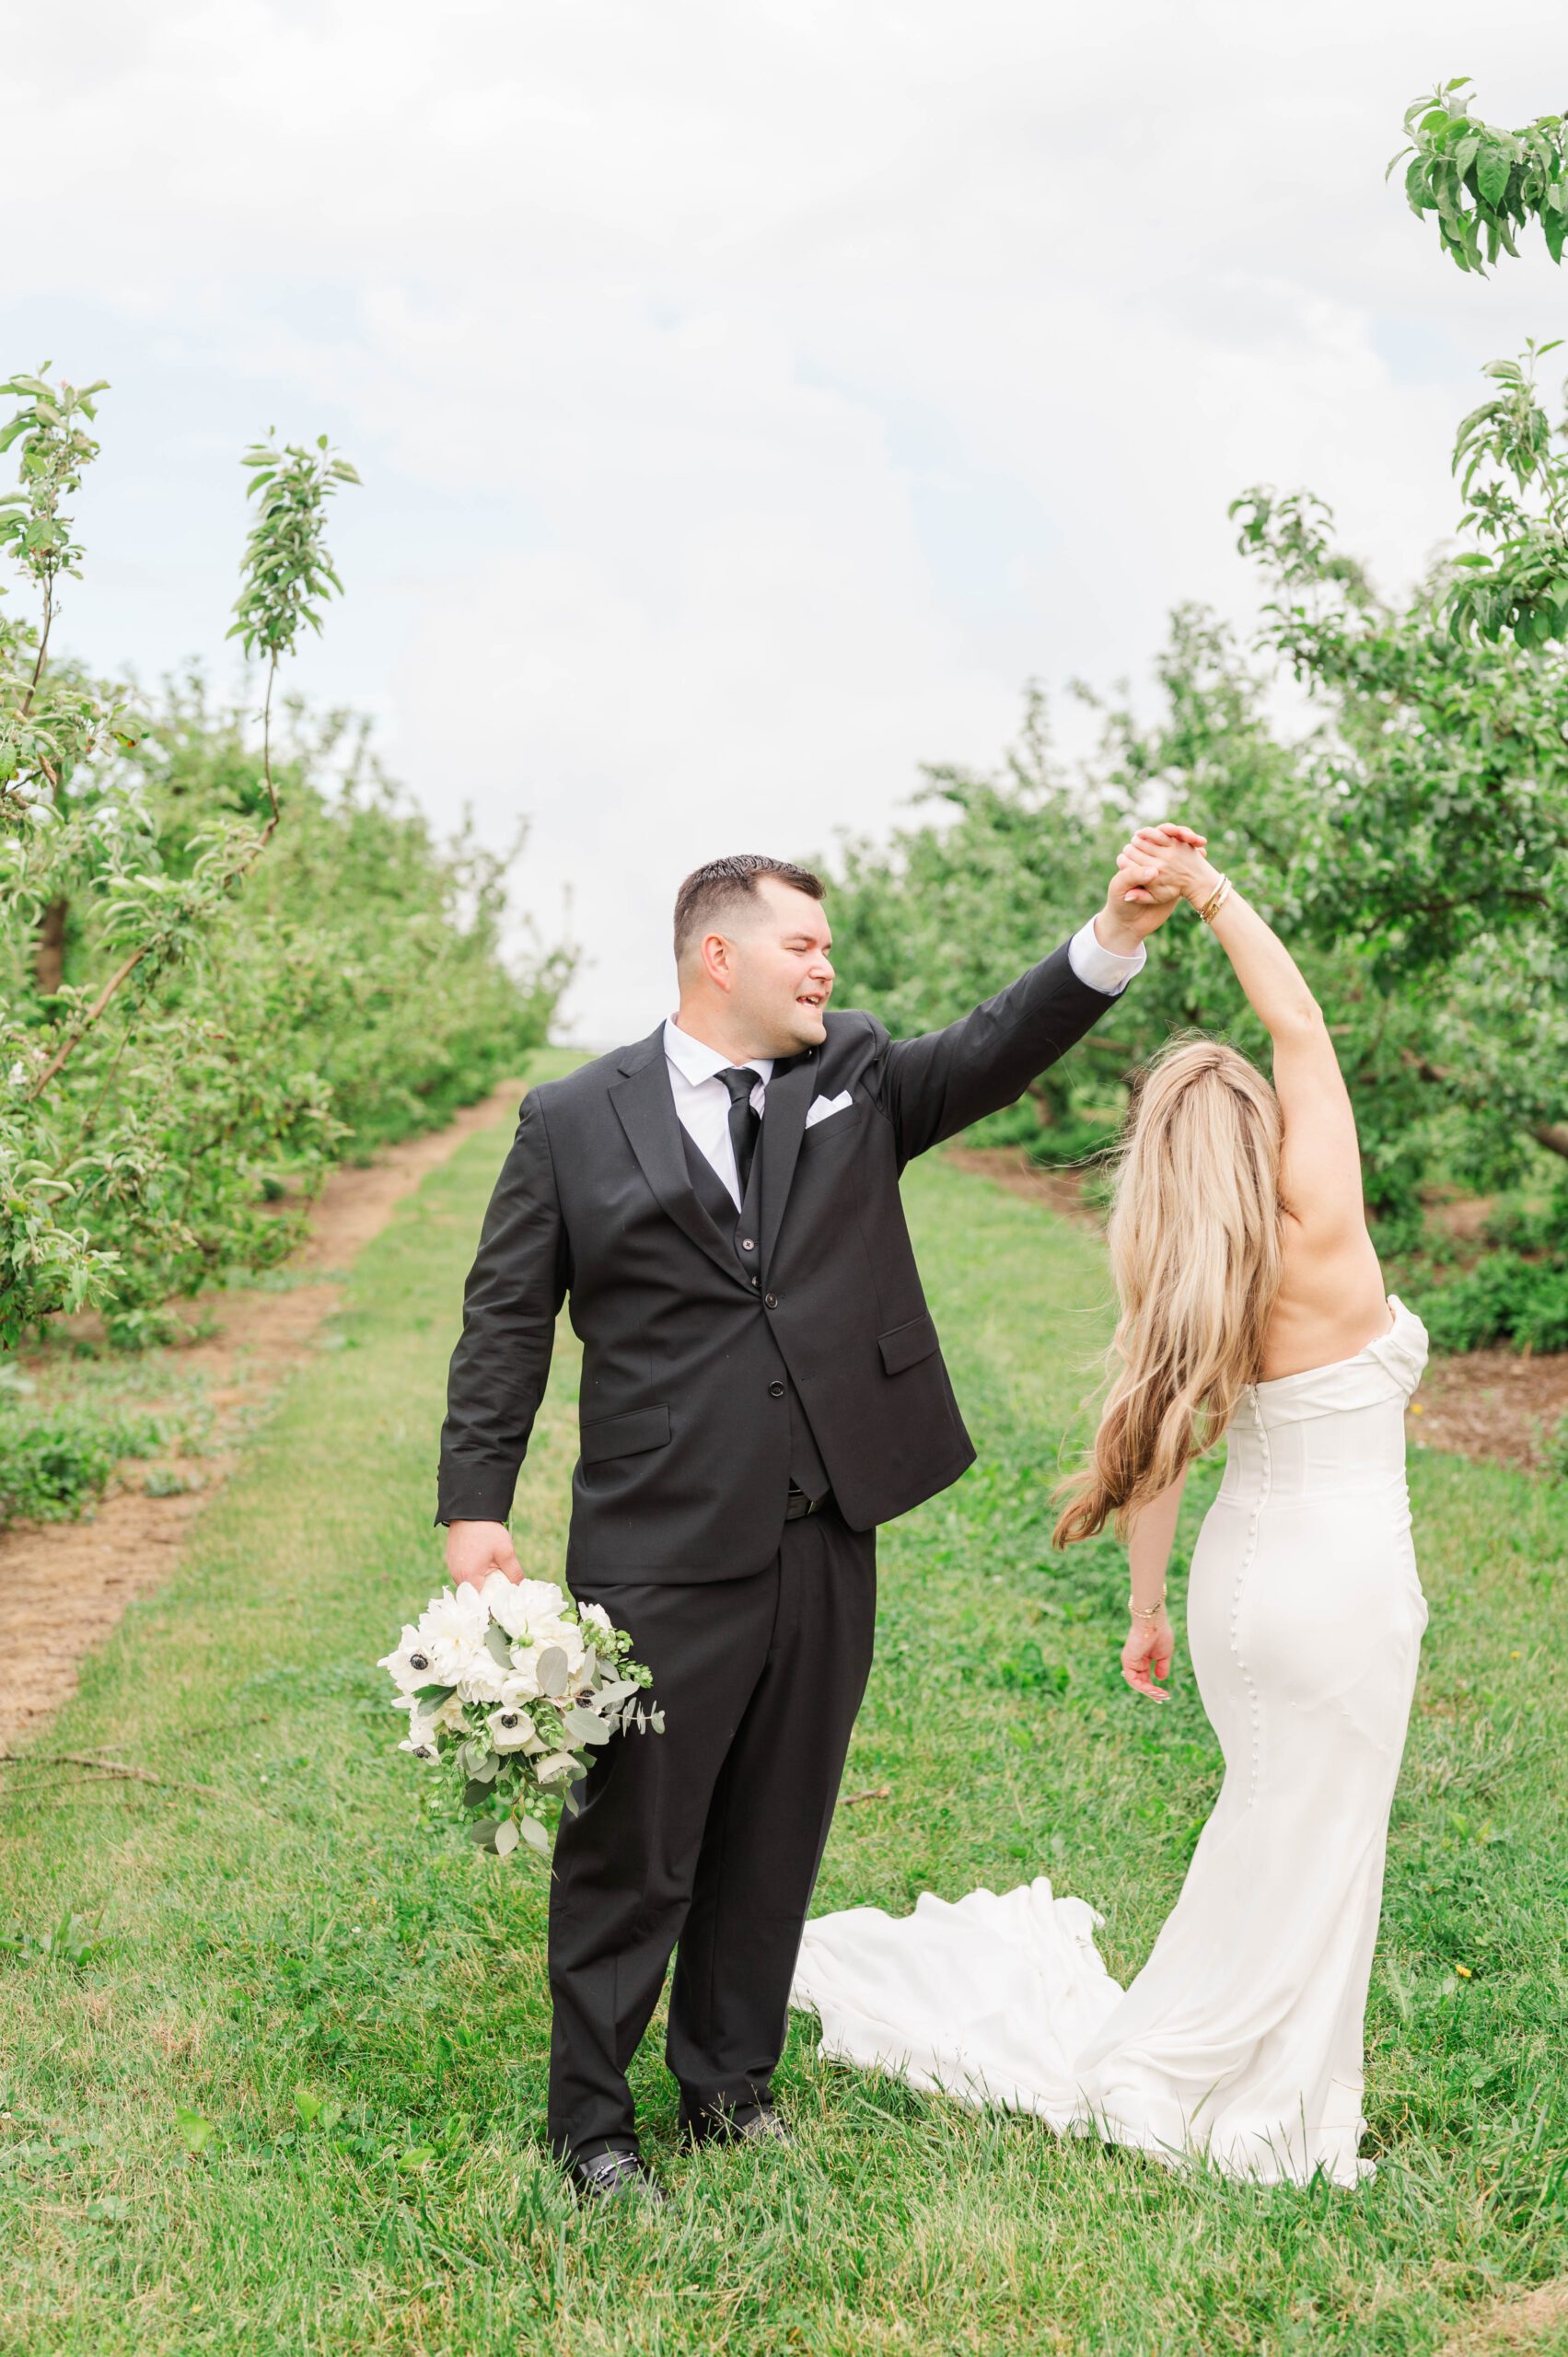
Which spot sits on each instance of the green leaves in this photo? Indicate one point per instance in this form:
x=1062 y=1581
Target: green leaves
x=1514 y=487
x=73 y=1940
x=286 y=573
x=322 y=2113
x=49 y=723
x=194 y=2132
x=1483 y=185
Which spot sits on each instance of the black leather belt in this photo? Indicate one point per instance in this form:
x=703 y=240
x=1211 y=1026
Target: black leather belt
x=799 y=1503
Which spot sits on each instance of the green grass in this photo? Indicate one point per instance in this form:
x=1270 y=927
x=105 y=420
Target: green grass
x=288 y=2096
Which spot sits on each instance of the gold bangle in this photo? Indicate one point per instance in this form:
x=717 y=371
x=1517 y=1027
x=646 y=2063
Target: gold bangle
x=1215 y=900
x=1145 y=1611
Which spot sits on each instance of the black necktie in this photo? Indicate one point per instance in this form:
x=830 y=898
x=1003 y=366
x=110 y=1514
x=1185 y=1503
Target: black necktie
x=744 y=1124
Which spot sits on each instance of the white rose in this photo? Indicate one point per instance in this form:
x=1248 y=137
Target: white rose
x=450 y=1716
x=520 y=1683
x=594 y=1616
x=565 y=1634
x=481 y=1677
x=512 y=1730
x=517 y=1604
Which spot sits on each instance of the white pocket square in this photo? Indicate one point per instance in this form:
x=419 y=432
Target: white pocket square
x=822 y=1106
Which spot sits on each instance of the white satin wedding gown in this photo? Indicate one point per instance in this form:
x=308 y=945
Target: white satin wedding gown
x=1241 y=2038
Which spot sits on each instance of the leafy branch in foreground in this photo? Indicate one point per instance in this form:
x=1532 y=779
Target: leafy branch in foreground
x=50 y=721
x=286 y=573
x=1512 y=454
x=1484 y=184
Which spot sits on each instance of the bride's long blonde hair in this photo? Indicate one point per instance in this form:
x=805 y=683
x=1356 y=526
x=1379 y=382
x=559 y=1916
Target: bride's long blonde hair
x=1194 y=1242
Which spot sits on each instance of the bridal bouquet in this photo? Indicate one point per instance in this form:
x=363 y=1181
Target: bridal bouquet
x=510 y=1688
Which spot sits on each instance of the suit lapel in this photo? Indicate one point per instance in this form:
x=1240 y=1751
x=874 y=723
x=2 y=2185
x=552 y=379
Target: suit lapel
x=784 y=1125
x=646 y=1107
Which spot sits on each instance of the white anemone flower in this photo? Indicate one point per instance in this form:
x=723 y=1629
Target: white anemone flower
x=451 y=1628
x=512 y=1730
x=410 y=1663
x=420 y=1737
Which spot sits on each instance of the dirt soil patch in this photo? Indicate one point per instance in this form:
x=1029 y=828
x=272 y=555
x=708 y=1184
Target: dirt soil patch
x=1060 y=1190
x=1521 y=2321
x=63 y=1585
x=1484 y=1404
x=1493 y=1404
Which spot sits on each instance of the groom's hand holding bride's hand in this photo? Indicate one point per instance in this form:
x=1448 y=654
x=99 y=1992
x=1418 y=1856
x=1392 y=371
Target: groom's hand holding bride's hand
x=1163 y=864
x=474 y=1550
x=1141 y=895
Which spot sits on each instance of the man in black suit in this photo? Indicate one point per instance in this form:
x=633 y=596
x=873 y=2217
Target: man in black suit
x=762 y=1386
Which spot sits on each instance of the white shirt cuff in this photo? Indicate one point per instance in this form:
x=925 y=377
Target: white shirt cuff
x=1101 y=968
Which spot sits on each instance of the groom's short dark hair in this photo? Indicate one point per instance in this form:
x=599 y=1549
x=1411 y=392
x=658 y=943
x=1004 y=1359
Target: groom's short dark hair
x=711 y=892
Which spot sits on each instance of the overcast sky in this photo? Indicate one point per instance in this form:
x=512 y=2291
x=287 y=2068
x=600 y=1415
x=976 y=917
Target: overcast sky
x=748 y=397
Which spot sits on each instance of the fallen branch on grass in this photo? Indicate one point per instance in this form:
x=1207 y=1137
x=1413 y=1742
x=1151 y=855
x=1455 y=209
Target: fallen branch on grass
x=124 y=1768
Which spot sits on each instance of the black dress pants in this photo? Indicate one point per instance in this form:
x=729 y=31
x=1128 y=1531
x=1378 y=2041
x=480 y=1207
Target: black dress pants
x=710 y=1835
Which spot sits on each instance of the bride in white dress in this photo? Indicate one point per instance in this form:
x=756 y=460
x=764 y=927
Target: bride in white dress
x=1251 y=1304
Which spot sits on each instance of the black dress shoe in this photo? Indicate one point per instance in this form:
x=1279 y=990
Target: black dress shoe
x=748 y=2124
x=615 y=2175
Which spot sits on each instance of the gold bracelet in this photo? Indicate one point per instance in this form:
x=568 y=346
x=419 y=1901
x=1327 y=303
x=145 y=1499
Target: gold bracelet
x=1215 y=900
x=1145 y=1611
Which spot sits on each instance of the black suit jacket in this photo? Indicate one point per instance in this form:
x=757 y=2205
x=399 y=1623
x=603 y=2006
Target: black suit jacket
x=686 y=1362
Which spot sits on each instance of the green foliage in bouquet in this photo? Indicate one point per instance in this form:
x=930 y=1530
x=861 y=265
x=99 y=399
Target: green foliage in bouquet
x=509 y=1689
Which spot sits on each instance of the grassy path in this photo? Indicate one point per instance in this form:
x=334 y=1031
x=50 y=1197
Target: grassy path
x=295 y=2103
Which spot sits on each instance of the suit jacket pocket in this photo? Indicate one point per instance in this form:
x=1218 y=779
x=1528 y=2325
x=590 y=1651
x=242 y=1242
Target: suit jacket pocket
x=626 y=1436
x=905 y=1345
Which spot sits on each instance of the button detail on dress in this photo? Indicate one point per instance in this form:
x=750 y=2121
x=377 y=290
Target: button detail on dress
x=770 y=1301
x=775 y=1390
x=748 y=1244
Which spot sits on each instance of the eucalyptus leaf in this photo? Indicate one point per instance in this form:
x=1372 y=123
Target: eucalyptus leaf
x=585 y=1726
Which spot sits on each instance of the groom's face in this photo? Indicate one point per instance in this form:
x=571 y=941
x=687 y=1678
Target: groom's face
x=782 y=977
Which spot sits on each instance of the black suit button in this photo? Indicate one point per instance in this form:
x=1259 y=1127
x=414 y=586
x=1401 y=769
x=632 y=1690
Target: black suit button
x=775 y=1390
x=756 y=1280
x=770 y=1301
x=747 y=1243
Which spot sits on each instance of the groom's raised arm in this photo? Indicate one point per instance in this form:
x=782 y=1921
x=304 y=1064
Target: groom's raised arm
x=936 y=1085
x=502 y=1363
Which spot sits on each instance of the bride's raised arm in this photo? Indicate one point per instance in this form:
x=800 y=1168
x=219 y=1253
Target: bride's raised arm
x=1321 y=1166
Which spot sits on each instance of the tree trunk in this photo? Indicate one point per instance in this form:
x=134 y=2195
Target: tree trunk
x=48 y=950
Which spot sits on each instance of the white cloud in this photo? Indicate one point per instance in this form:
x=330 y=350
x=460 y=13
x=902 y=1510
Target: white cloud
x=748 y=396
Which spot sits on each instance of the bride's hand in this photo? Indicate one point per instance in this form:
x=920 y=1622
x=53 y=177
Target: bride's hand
x=1150 y=1648
x=1162 y=861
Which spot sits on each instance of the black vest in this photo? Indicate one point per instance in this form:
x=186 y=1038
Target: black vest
x=743 y=1229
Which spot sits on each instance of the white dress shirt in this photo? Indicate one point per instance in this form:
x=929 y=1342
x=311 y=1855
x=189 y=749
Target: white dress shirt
x=701 y=1100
